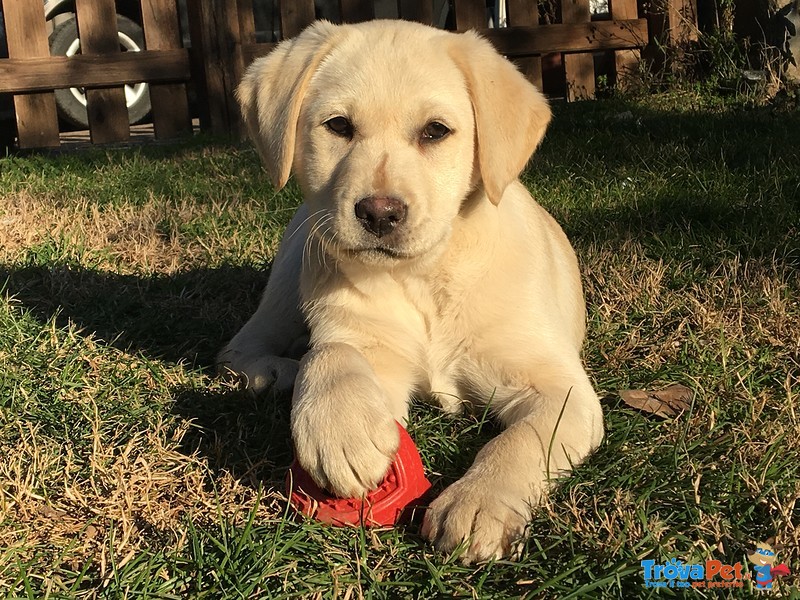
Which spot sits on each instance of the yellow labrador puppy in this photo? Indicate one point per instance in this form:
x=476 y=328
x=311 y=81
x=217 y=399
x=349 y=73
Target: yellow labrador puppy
x=417 y=265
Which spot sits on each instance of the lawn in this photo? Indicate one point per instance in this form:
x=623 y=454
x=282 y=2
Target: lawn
x=128 y=470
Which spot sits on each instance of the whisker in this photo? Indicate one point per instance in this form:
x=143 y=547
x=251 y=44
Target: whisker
x=321 y=253
x=336 y=262
x=315 y=237
x=310 y=236
x=300 y=226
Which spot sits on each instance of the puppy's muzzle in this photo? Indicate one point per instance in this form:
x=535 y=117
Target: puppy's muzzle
x=380 y=215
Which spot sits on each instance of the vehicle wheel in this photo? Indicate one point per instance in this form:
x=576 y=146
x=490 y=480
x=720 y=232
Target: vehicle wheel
x=71 y=102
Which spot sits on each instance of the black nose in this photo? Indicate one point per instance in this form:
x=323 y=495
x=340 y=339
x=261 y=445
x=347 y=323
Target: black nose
x=380 y=215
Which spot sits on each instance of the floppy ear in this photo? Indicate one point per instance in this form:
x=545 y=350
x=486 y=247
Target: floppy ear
x=272 y=91
x=511 y=115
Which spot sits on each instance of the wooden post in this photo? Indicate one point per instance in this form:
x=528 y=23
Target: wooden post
x=681 y=21
x=355 y=11
x=520 y=13
x=671 y=25
x=296 y=15
x=108 y=111
x=626 y=62
x=579 y=67
x=470 y=14
x=37 y=120
x=416 y=10
x=247 y=22
x=244 y=27
x=169 y=100
x=217 y=48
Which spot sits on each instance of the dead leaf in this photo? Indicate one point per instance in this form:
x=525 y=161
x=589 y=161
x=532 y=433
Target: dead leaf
x=90 y=532
x=666 y=403
x=50 y=514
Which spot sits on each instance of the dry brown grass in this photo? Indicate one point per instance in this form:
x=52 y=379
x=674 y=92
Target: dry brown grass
x=128 y=237
x=62 y=506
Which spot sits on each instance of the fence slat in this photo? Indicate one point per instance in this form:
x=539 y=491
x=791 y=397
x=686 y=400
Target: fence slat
x=682 y=15
x=416 y=10
x=526 y=12
x=296 y=15
x=108 y=112
x=37 y=120
x=355 y=11
x=546 y=39
x=576 y=37
x=169 y=100
x=34 y=74
x=470 y=14
x=247 y=21
x=578 y=68
x=626 y=62
x=215 y=35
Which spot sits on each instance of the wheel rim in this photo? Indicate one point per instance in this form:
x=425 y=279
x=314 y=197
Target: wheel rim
x=133 y=92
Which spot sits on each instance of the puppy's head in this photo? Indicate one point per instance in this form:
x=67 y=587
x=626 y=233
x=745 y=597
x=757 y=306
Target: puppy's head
x=389 y=125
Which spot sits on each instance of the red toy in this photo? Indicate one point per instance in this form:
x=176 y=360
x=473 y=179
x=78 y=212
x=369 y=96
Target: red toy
x=401 y=489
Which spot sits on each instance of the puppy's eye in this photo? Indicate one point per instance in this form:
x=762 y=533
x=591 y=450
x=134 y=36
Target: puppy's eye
x=340 y=126
x=435 y=131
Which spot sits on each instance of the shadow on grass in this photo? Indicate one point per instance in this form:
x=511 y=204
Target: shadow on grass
x=246 y=436
x=182 y=318
x=617 y=169
x=185 y=317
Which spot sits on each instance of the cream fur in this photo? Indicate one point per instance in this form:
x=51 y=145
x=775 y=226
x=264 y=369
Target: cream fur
x=475 y=296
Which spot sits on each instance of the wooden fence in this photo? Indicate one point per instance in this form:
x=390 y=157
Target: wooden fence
x=223 y=42
x=31 y=74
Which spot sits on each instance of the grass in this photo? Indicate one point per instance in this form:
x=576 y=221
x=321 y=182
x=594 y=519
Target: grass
x=127 y=470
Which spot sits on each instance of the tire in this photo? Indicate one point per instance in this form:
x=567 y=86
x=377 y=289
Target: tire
x=71 y=103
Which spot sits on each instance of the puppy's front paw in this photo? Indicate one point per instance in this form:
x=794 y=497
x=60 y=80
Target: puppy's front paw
x=258 y=373
x=490 y=518
x=346 y=446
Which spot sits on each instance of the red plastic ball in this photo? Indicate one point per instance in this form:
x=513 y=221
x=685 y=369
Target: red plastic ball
x=391 y=502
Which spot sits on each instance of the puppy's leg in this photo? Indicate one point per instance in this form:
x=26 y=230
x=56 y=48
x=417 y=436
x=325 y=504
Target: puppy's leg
x=265 y=351
x=552 y=424
x=344 y=413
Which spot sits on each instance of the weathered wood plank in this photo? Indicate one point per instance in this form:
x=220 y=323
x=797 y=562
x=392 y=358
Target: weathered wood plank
x=578 y=68
x=247 y=33
x=672 y=24
x=93 y=70
x=545 y=39
x=575 y=37
x=108 y=113
x=523 y=12
x=169 y=100
x=37 y=120
x=682 y=21
x=355 y=11
x=296 y=15
x=526 y=13
x=254 y=51
x=626 y=62
x=470 y=14
x=247 y=21
x=215 y=31
x=416 y=10
x=575 y=11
